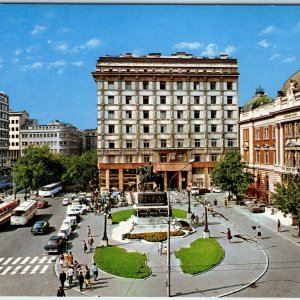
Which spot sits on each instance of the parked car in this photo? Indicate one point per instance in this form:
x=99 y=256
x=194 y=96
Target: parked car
x=215 y=190
x=65 y=231
x=203 y=191
x=40 y=227
x=41 y=203
x=256 y=206
x=66 y=201
x=81 y=207
x=194 y=190
x=70 y=221
x=56 y=244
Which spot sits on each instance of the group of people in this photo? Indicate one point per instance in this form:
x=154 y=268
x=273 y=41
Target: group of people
x=90 y=241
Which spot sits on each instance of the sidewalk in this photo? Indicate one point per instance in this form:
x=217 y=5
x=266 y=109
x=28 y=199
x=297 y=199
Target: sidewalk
x=244 y=263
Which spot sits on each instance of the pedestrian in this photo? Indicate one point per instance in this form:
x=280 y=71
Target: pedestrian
x=229 y=236
x=88 y=279
x=89 y=231
x=278 y=225
x=196 y=219
x=192 y=218
x=258 y=234
x=90 y=242
x=159 y=248
x=81 y=281
x=70 y=275
x=62 y=260
x=203 y=219
x=84 y=247
x=215 y=202
x=70 y=258
x=61 y=292
x=95 y=271
x=62 y=278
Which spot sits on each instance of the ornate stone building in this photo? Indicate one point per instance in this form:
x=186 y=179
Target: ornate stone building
x=167 y=110
x=270 y=136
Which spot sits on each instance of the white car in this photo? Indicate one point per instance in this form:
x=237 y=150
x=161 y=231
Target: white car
x=70 y=222
x=81 y=208
x=65 y=231
x=216 y=190
x=66 y=201
x=194 y=190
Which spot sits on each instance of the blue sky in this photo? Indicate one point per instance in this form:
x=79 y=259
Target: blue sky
x=47 y=52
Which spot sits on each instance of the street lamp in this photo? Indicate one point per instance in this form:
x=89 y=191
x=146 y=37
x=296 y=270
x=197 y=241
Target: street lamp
x=189 y=202
x=206 y=230
x=169 y=233
x=105 y=238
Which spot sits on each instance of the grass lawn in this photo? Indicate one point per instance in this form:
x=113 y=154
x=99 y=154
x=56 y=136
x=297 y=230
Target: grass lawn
x=119 y=262
x=179 y=213
x=202 y=255
x=122 y=215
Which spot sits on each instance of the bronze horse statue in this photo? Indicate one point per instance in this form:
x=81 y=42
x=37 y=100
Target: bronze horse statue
x=146 y=175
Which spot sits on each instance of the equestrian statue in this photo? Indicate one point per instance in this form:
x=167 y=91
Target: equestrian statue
x=146 y=175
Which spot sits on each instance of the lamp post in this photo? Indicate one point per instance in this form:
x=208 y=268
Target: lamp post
x=189 y=213
x=169 y=232
x=206 y=230
x=105 y=238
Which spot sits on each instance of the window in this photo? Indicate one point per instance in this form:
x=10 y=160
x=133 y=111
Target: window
x=180 y=128
x=257 y=156
x=128 y=114
x=179 y=100
x=146 y=144
x=111 y=115
x=229 y=114
x=111 y=145
x=163 y=100
x=145 y=99
x=213 y=128
x=213 y=114
x=128 y=144
x=257 y=134
x=180 y=158
x=180 y=143
x=179 y=114
x=196 y=114
x=230 y=143
x=111 y=128
x=146 y=114
x=214 y=143
x=266 y=133
x=213 y=99
x=214 y=157
x=196 y=85
x=145 y=85
x=146 y=129
x=163 y=143
x=128 y=128
x=180 y=85
x=229 y=128
x=111 y=159
x=162 y=85
x=163 y=158
x=273 y=133
x=128 y=99
x=110 y=85
x=266 y=156
x=128 y=158
x=213 y=86
x=163 y=129
x=146 y=158
x=127 y=85
x=196 y=100
x=197 y=128
x=163 y=114
x=229 y=99
x=197 y=143
x=197 y=157
x=229 y=86
x=111 y=100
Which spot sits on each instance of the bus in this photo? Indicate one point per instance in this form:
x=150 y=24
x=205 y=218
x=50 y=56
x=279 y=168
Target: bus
x=6 y=209
x=50 y=190
x=22 y=214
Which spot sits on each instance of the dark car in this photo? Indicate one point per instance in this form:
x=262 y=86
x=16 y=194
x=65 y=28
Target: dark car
x=203 y=191
x=42 y=203
x=56 y=244
x=40 y=227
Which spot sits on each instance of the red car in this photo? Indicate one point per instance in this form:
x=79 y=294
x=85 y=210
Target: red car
x=42 y=203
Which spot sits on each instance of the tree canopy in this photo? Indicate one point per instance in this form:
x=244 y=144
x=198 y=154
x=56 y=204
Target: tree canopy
x=287 y=197
x=229 y=174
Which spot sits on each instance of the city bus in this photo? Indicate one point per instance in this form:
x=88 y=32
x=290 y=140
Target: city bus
x=6 y=209
x=50 y=190
x=22 y=214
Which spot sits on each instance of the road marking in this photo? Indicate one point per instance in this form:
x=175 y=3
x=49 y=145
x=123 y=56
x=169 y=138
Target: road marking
x=8 y=260
x=6 y=270
x=34 y=260
x=1 y=268
x=34 y=269
x=1 y=259
x=44 y=269
x=16 y=260
x=25 y=269
x=25 y=260
x=16 y=270
x=43 y=259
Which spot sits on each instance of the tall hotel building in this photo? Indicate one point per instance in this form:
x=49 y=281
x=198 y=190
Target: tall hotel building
x=4 y=134
x=167 y=110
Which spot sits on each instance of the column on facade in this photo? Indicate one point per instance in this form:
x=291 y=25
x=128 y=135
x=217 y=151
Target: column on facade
x=107 y=178
x=121 y=181
x=206 y=177
x=189 y=177
x=165 y=181
x=281 y=150
x=180 y=181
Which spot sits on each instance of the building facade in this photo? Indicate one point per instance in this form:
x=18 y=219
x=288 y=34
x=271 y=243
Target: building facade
x=89 y=139
x=167 y=110
x=270 y=137
x=4 y=134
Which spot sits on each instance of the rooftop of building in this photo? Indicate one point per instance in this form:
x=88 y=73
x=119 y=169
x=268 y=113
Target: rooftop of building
x=260 y=98
x=295 y=78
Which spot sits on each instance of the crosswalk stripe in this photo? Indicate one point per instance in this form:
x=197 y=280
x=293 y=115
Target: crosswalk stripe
x=44 y=269
x=34 y=269
x=25 y=260
x=16 y=270
x=16 y=260
x=6 y=270
x=1 y=268
x=25 y=269
x=8 y=260
x=43 y=259
x=1 y=259
x=34 y=260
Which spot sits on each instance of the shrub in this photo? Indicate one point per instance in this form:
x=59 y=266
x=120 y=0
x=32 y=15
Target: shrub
x=152 y=236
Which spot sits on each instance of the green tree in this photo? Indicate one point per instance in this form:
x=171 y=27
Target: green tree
x=287 y=197
x=229 y=174
x=80 y=170
x=37 y=167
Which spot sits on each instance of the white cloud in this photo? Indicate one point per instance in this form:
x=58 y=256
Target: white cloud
x=60 y=71
x=289 y=60
x=34 y=66
x=187 y=45
x=18 y=52
x=211 y=50
x=65 y=48
x=37 y=29
x=92 y=43
x=268 y=30
x=77 y=63
x=31 y=49
x=230 y=49
x=264 y=44
x=62 y=47
x=298 y=26
x=56 y=64
x=274 y=56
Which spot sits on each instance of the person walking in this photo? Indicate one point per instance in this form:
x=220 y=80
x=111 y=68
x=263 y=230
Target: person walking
x=95 y=271
x=278 y=225
x=88 y=279
x=90 y=242
x=258 y=233
x=70 y=258
x=62 y=278
x=70 y=276
x=84 y=247
x=61 y=292
x=160 y=248
x=192 y=218
x=81 y=281
x=229 y=236
x=62 y=260
x=89 y=232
